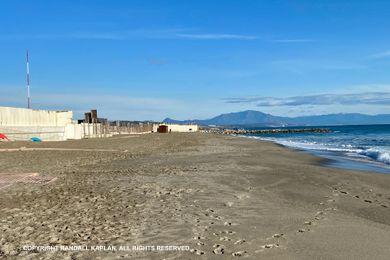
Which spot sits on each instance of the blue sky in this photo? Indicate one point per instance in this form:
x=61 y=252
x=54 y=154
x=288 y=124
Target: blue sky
x=195 y=59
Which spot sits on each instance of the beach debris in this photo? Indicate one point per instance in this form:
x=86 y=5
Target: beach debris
x=227 y=223
x=307 y=223
x=36 y=139
x=369 y=201
x=3 y=137
x=278 y=235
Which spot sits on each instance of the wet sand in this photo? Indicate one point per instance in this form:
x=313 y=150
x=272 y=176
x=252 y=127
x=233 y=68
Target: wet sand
x=224 y=197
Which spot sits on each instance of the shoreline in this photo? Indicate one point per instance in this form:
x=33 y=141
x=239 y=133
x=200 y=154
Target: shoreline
x=335 y=159
x=218 y=195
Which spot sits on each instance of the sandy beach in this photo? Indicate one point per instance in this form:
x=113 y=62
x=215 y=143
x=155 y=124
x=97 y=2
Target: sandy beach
x=218 y=196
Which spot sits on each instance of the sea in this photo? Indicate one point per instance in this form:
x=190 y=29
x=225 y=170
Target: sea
x=357 y=147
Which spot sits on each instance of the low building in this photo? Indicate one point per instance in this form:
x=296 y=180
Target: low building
x=168 y=128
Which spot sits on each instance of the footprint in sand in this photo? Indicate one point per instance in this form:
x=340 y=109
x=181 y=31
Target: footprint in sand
x=196 y=251
x=270 y=246
x=219 y=250
x=239 y=242
x=224 y=239
x=228 y=204
x=239 y=253
x=242 y=196
x=198 y=238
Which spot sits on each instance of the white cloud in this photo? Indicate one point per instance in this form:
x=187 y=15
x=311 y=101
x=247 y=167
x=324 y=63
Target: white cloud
x=217 y=36
x=366 y=98
x=174 y=33
x=380 y=55
x=292 y=40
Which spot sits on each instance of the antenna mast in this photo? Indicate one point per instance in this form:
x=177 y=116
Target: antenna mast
x=28 y=82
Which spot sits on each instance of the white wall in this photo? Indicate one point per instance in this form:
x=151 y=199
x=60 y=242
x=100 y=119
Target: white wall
x=182 y=128
x=12 y=116
x=23 y=124
x=47 y=133
x=73 y=131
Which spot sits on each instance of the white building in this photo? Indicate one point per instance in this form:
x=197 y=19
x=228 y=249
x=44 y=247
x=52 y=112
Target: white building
x=168 y=128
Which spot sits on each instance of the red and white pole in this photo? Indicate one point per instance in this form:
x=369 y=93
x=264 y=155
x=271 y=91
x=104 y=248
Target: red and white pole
x=28 y=82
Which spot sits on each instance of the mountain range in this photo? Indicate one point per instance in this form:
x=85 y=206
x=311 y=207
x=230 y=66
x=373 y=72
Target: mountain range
x=260 y=119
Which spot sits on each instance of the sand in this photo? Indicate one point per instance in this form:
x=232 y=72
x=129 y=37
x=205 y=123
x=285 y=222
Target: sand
x=218 y=196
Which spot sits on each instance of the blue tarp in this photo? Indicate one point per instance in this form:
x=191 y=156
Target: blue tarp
x=36 y=139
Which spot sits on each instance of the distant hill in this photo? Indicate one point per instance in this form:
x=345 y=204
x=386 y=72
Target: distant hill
x=259 y=119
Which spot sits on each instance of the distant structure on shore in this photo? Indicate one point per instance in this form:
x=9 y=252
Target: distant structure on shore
x=24 y=124
x=184 y=128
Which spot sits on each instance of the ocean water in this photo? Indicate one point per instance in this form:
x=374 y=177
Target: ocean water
x=362 y=147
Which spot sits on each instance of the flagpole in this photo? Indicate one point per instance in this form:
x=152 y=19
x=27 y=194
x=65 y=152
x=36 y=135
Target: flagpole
x=28 y=82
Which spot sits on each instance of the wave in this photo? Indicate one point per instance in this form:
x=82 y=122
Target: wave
x=379 y=154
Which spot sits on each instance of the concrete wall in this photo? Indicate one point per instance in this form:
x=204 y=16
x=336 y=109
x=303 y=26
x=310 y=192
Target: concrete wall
x=47 y=133
x=12 y=116
x=23 y=124
x=133 y=128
